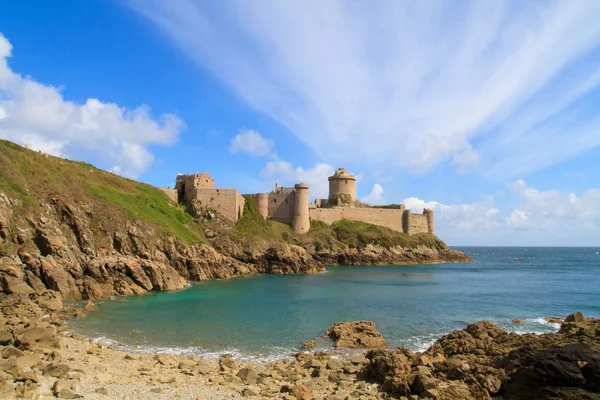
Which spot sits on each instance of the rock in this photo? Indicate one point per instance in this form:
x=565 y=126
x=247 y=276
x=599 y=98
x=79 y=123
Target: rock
x=554 y=320
x=62 y=384
x=56 y=370
x=89 y=306
x=187 y=364
x=309 y=344
x=12 y=351
x=575 y=317
x=533 y=372
x=16 y=286
x=79 y=314
x=226 y=362
x=301 y=392
x=359 y=359
x=391 y=368
x=247 y=375
x=6 y=337
x=492 y=384
x=251 y=391
x=68 y=394
x=517 y=321
x=358 y=334
x=431 y=394
x=22 y=374
x=423 y=382
x=335 y=364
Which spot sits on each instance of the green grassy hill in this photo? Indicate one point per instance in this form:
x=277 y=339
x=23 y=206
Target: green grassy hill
x=33 y=178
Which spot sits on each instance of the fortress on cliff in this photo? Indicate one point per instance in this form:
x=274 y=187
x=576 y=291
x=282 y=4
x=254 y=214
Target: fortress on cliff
x=290 y=205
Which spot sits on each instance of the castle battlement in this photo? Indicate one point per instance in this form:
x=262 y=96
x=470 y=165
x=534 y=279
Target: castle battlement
x=290 y=204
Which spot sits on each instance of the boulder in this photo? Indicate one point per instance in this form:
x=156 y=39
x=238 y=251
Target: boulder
x=6 y=337
x=575 y=317
x=14 y=285
x=357 y=335
x=517 y=321
x=248 y=375
x=309 y=344
x=56 y=370
x=89 y=306
x=226 y=362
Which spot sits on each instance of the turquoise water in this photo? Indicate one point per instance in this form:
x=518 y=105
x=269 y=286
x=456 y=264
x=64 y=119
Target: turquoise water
x=268 y=316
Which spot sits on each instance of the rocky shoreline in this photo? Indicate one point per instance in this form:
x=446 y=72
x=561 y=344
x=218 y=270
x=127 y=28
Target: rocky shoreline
x=41 y=360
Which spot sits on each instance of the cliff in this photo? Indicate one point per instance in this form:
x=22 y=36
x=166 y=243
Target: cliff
x=86 y=233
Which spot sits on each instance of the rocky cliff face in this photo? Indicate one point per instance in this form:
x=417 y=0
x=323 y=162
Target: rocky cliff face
x=60 y=250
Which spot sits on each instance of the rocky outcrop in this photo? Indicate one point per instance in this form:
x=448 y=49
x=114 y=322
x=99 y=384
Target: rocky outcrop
x=355 y=335
x=378 y=255
x=482 y=361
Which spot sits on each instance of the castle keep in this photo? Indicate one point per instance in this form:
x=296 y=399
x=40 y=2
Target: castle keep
x=290 y=205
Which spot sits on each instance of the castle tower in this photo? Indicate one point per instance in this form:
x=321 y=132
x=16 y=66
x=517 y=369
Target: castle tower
x=406 y=222
x=429 y=214
x=301 y=221
x=342 y=187
x=262 y=203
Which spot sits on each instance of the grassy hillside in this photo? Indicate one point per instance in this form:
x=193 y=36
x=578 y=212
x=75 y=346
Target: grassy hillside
x=33 y=177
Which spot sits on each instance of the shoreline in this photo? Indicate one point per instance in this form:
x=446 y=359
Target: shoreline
x=40 y=360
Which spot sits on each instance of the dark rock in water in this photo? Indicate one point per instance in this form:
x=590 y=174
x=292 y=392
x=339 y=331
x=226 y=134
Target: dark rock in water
x=309 y=344
x=356 y=335
x=517 y=321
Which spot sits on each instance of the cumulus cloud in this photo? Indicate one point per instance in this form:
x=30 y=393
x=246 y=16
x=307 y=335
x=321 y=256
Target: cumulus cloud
x=473 y=84
x=284 y=173
x=37 y=115
x=376 y=196
x=251 y=142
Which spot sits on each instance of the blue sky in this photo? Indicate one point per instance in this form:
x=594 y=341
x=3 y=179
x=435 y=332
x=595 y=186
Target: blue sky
x=486 y=112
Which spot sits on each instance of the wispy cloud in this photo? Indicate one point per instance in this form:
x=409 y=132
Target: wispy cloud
x=473 y=84
x=37 y=115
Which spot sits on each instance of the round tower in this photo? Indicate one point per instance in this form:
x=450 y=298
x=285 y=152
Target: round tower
x=262 y=203
x=342 y=185
x=429 y=214
x=301 y=221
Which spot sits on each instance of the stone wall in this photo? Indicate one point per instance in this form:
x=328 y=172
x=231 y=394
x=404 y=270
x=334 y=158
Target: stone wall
x=418 y=223
x=228 y=202
x=390 y=218
x=172 y=193
x=281 y=207
x=379 y=216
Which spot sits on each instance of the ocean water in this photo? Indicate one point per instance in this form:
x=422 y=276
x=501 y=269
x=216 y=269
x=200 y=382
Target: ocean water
x=267 y=317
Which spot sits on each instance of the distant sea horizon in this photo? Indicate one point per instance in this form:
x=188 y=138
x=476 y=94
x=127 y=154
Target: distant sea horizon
x=266 y=317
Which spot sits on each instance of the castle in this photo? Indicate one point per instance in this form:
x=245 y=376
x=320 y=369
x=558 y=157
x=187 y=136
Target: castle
x=290 y=205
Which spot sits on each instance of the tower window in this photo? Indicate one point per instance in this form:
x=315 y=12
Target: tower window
x=274 y=200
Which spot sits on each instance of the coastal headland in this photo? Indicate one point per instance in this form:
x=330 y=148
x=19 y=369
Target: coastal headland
x=72 y=232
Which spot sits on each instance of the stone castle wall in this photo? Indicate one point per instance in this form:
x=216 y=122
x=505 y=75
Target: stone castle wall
x=172 y=193
x=390 y=218
x=418 y=224
x=379 y=216
x=281 y=207
x=228 y=202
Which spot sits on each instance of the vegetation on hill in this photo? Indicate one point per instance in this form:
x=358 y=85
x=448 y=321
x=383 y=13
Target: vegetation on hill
x=33 y=177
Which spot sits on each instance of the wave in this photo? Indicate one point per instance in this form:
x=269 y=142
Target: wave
x=417 y=343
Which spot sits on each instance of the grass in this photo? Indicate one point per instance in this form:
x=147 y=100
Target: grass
x=253 y=224
x=151 y=205
x=32 y=177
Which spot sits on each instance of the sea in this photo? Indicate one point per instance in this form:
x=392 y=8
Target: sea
x=266 y=317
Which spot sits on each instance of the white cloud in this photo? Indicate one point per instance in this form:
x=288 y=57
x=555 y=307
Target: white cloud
x=37 y=115
x=251 y=142
x=284 y=173
x=541 y=217
x=476 y=84
x=376 y=196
